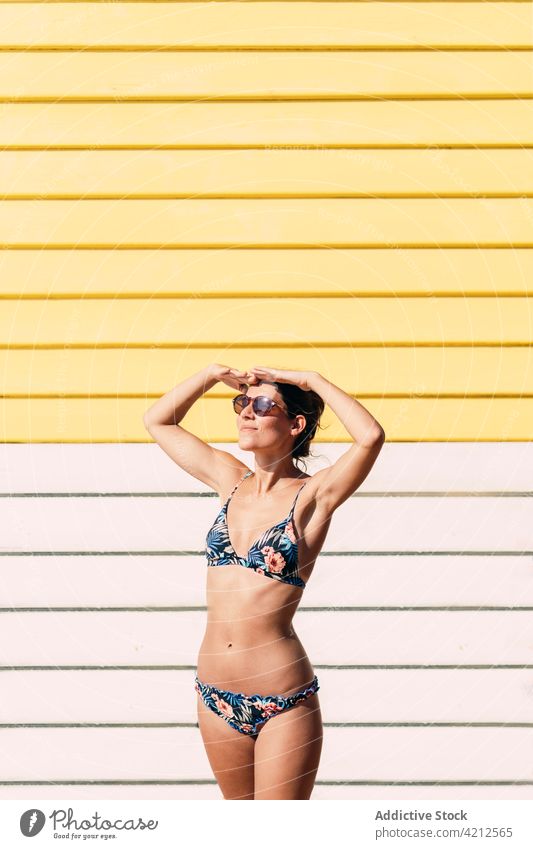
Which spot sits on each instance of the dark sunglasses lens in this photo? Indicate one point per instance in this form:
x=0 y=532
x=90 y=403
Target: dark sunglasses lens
x=262 y=405
x=239 y=403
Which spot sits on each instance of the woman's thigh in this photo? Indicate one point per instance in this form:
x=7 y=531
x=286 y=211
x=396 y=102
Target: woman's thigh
x=287 y=752
x=230 y=754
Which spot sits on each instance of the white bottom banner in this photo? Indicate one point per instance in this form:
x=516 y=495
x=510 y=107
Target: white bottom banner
x=332 y=823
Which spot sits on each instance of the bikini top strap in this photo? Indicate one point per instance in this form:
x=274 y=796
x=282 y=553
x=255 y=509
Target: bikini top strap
x=238 y=484
x=296 y=498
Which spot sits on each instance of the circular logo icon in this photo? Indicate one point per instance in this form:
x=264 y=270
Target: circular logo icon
x=32 y=822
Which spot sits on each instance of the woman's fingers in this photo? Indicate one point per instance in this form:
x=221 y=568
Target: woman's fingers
x=262 y=370
x=247 y=377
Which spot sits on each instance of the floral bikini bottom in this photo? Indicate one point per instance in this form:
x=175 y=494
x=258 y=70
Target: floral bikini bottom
x=245 y=713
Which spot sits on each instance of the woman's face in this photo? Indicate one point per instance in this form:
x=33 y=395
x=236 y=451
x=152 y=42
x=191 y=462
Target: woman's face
x=270 y=430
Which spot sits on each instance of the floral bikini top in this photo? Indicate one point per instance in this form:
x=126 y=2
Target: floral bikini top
x=274 y=554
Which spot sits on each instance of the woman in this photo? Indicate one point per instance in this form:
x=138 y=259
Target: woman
x=258 y=707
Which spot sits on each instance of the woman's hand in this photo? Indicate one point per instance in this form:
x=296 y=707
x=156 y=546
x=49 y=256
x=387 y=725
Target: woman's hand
x=298 y=378
x=232 y=377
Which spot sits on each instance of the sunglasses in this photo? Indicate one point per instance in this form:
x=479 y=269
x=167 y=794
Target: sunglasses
x=261 y=404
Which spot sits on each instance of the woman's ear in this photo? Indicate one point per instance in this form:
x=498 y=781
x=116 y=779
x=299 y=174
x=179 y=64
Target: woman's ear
x=297 y=423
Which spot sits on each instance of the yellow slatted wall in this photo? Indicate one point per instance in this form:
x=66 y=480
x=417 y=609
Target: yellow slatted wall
x=358 y=175
x=339 y=186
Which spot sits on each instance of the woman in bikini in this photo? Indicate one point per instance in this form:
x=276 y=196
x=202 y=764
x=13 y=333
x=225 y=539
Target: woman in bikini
x=258 y=707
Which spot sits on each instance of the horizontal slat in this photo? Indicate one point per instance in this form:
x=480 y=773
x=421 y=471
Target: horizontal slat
x=269 y=173
x=264 y=75
x=383 y=754
x=365 y=372
x=121 y=2
x=148 y=696
x=453 y=638
x=207 y=788
x=298 y=273
x=315 y=24
x=171 y=581
x=418 y=122
x=274 y=222
x=404 y=419
x=108 y=523
x=322 y=790
x=431 y=467
x=204 y=323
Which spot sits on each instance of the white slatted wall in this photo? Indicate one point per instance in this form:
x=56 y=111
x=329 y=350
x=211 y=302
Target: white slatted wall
x=418 y=620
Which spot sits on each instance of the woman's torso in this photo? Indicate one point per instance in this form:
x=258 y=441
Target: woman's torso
x=250 y=644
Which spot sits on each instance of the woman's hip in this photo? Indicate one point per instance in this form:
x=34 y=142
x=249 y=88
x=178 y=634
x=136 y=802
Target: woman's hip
x=278 y=666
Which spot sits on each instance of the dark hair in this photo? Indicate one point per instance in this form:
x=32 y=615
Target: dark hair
x=306 y=403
